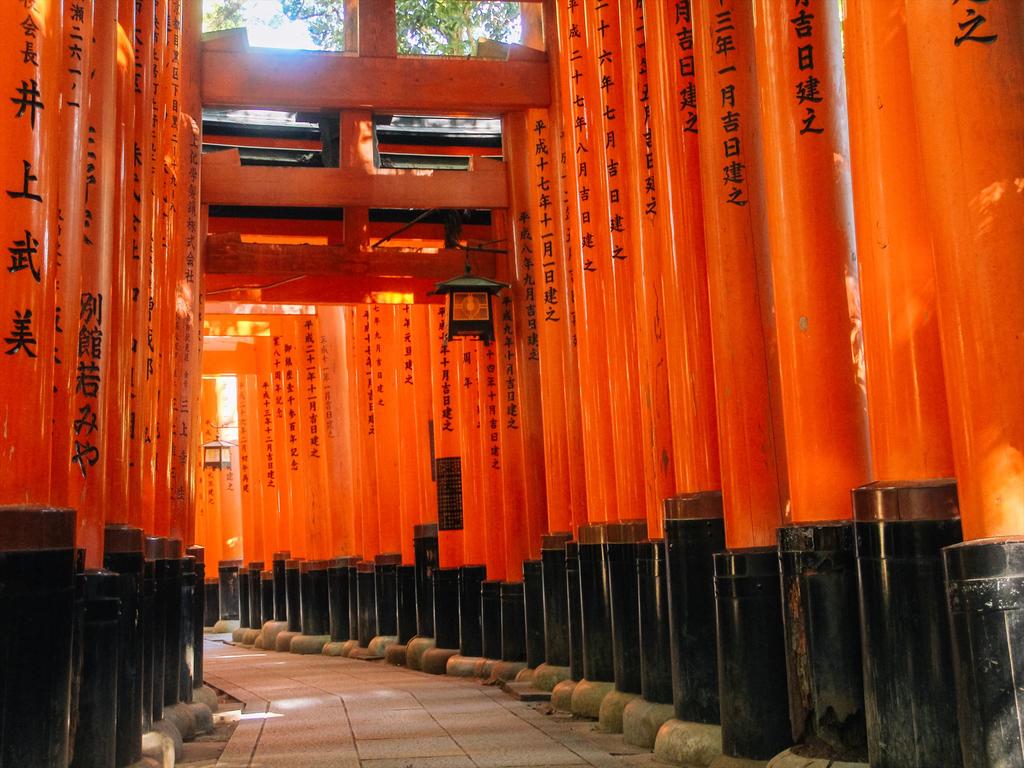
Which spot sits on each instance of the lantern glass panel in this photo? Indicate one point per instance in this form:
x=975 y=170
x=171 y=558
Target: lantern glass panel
x=471 y=306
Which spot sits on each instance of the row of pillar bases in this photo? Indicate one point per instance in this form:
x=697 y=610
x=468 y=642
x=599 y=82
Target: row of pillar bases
x=91 y=660
x=881 y=639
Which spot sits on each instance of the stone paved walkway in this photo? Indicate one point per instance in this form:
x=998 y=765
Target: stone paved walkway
x=322 y=712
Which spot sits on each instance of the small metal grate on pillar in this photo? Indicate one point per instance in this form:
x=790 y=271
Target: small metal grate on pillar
x=449 y=493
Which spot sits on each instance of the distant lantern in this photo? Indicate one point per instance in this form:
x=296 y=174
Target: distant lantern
x=217 y=455
x=470 y=311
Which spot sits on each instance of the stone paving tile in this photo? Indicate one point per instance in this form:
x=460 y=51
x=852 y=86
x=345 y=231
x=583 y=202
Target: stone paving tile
x=431 y=746
x=451 y=761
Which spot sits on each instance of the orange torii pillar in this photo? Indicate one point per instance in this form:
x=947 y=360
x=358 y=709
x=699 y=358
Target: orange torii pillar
x=252 y=506
x=538 y=212
x=913 y=498
x=36 y=712
x=678 y=631
x=95 y=396
x=140 y=203
x=335 y=372
x=815 y=288
x=367 y=434
x=585 y=182
x=473 y=573
x=448 y=474
x=67 y=267
x=968 y=83
x=751 y=657
x=425 y=538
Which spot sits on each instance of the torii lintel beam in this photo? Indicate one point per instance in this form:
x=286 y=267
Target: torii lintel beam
x=314 y=80
x=483 y=187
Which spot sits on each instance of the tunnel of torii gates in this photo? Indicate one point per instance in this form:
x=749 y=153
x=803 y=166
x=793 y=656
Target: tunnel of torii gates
x=741 y=471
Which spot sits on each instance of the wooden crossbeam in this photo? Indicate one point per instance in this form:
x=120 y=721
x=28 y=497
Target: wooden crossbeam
x=224 y=183
x=226 y=254
x=250 y=289
x=314 y=80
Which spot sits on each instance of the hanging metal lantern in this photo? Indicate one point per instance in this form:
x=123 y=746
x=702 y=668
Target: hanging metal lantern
x=217 y=455
x=470 y=307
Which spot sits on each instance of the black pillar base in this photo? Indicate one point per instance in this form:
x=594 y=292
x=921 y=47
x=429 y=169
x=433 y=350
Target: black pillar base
x=446 y=607
x=198 y=555
x=367 y=628
x=338 y=595
x=490 y=620
x=353 y=597
x=985 y=584
x=230 y=600
x=186 y=636
x=293 y=594
x=123 y=554
x=255 y=577
x=96 y=734
x=694 y=532
x=386 y=586
x=279 y=566
x=655 y=647
x=406 y=579
x=751 y=654
x=533 y=586
x=267 y=596
x=555 y=598
x=37 y=595
x=513 y=621
x=173 y=650
x=147 y=618
x=620 y=553
x=425 y=546
x=211 y=607
x=909 y=695
x=574 y=605
x=156 y=550
x=471 y=579
x=314 y=600
x=823 y=653
x=595 y=601
x=244 y=598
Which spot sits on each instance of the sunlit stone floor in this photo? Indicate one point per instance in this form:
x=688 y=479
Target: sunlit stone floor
x=312 y=711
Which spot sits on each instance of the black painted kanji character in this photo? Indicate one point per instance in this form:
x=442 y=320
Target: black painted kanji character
x=28 y=98
x=21 y=338
x=27 y=178
x=22 y=252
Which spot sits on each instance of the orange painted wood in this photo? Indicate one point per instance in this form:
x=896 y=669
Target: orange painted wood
x=387 y=426
x=537 y=215
x=612 y=188
x=522 y=434
x=968 y=84
x=207 y=532
x=248 y=491
x=227 y=254
x=313 y=448
x=474 y=547
x=446 y=388
x=588 y=256
x=299 y=480
x=907 y=408
x=335 y=373
x=495 y=472
x=272 y=80
x=94 y=470
x=814 y=271
x=423 y=383
x=651 y=239
x=275 y=477
x=413 y=423
x=483 y=186
x=296 y=289
x=378 y=35
x=743 y=341
x=125 y=276
x=67 y=264
x=141 y=201
x=684 y=271
x=367 y=433
x=29 y=168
